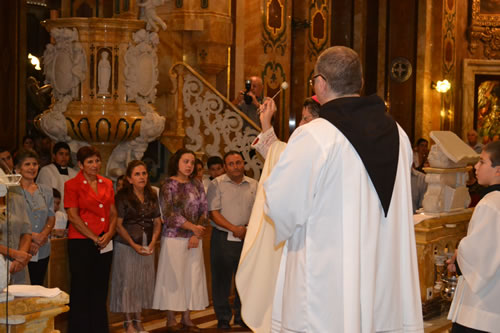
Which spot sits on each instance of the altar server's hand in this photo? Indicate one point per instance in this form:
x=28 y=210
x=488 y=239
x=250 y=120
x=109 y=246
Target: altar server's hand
x=452 y=268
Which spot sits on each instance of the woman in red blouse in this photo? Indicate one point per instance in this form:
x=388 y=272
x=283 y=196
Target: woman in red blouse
x=89 y=201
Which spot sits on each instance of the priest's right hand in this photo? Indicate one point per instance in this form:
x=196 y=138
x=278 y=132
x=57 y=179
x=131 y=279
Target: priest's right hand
x=266 y=112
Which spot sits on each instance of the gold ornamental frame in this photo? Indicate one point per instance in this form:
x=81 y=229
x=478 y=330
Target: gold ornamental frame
x=485 y=18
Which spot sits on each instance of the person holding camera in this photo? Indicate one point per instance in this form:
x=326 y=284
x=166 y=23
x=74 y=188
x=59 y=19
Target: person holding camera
x=249 y=100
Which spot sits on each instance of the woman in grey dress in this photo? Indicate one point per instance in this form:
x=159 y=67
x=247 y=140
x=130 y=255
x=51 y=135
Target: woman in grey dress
x=40 y=209
x=138 y=227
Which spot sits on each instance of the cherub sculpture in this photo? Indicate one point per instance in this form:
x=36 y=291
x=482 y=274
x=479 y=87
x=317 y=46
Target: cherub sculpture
x=150 y=16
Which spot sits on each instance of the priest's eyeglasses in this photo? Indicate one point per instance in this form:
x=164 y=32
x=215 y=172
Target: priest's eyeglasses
x=312 y=81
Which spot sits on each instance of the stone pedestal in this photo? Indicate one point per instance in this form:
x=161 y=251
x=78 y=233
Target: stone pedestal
x=33 y=314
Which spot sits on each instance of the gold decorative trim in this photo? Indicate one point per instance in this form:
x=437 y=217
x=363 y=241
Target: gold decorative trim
x=481 y=19
x=489 y=37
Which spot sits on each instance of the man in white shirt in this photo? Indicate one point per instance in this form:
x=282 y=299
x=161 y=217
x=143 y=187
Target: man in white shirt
x=58 y=172
x=230 y=200
x=340 y=197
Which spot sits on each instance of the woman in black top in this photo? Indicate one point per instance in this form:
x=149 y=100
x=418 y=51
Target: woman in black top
x=138 y=228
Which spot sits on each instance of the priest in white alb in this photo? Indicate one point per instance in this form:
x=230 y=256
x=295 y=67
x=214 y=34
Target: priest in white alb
x=340 y=197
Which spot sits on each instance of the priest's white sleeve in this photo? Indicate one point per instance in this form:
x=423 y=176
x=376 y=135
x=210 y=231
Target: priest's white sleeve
x=291 y=187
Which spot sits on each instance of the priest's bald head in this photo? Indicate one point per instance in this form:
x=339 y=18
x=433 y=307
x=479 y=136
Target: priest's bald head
x=338 y=73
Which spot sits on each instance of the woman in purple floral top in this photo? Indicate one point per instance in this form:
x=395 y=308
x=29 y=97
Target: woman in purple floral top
x=180 y=283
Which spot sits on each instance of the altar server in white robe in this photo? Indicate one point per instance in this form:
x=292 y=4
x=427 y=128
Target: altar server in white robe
x=476 y=304
x=58 y=172
x=340 y=196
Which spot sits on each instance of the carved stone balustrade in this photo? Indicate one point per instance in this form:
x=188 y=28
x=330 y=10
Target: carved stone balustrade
x=207 y=122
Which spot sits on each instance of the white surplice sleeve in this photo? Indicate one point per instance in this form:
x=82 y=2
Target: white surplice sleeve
x=479 y=252
x=47 y=176
x=292 y=185
x=264 y=140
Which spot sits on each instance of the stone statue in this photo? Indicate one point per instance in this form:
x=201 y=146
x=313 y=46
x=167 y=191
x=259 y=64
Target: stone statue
x=53 y=123
x=150 y=16
x=152 y=125
x=104 y=70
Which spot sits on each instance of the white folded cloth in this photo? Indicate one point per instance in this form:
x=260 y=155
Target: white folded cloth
x=24 y=290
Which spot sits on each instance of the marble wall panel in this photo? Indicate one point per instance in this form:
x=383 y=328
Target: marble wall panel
x=429 y=68
x=311 y=35
x=264 y=44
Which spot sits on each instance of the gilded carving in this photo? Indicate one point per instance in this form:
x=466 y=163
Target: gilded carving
x=491 y=39
x=485 y=28
x=485 y=13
